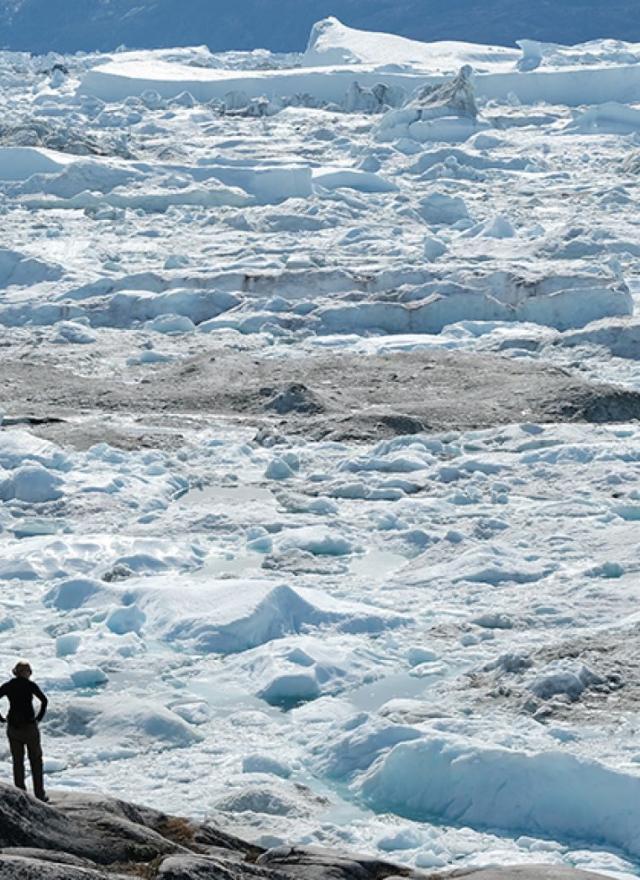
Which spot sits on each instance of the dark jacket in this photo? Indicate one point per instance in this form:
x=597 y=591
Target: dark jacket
x=20 y=693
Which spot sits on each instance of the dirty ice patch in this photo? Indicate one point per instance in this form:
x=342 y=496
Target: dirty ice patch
x=544 y=794
x=219 y=618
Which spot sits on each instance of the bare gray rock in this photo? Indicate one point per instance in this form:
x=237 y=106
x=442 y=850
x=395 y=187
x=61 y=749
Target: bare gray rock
x=48 y=855
x=89 y=827
x=18 y=867
x=207 y=868
x=315 y=863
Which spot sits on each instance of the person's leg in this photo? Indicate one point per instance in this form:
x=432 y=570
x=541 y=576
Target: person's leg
x=35 y=760
x=17 y=756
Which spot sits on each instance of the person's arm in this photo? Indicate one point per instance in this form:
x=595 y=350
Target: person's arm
x=3 y=693
x=43 y=701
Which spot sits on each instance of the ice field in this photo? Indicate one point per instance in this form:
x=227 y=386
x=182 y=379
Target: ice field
x=390 y=604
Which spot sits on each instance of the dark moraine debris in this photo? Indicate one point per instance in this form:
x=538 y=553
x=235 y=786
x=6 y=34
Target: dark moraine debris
x=294 y=398
x=329 y=395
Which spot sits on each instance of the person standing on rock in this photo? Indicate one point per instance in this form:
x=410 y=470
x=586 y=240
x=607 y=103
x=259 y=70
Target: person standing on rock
x=22 y=726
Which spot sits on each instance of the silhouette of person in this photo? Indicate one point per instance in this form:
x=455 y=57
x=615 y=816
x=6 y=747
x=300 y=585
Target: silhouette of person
x=22 y=726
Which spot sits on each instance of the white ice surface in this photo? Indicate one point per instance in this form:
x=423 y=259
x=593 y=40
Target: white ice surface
x=206 y=667
x=332 y=43
x=332 y=643
x=338 y=56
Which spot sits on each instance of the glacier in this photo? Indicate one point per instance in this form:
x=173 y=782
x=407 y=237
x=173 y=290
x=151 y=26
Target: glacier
x=319 y=439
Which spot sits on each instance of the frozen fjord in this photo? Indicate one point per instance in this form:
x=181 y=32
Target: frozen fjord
x=318 y=502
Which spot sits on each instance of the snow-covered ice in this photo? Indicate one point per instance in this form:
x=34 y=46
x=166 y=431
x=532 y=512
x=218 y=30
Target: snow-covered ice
x=364 y=631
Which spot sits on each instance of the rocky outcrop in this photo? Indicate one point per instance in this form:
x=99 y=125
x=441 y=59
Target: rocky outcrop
x=89 y=837
x=90 y=828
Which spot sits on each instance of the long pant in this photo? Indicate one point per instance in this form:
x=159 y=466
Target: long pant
x=26 y=736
